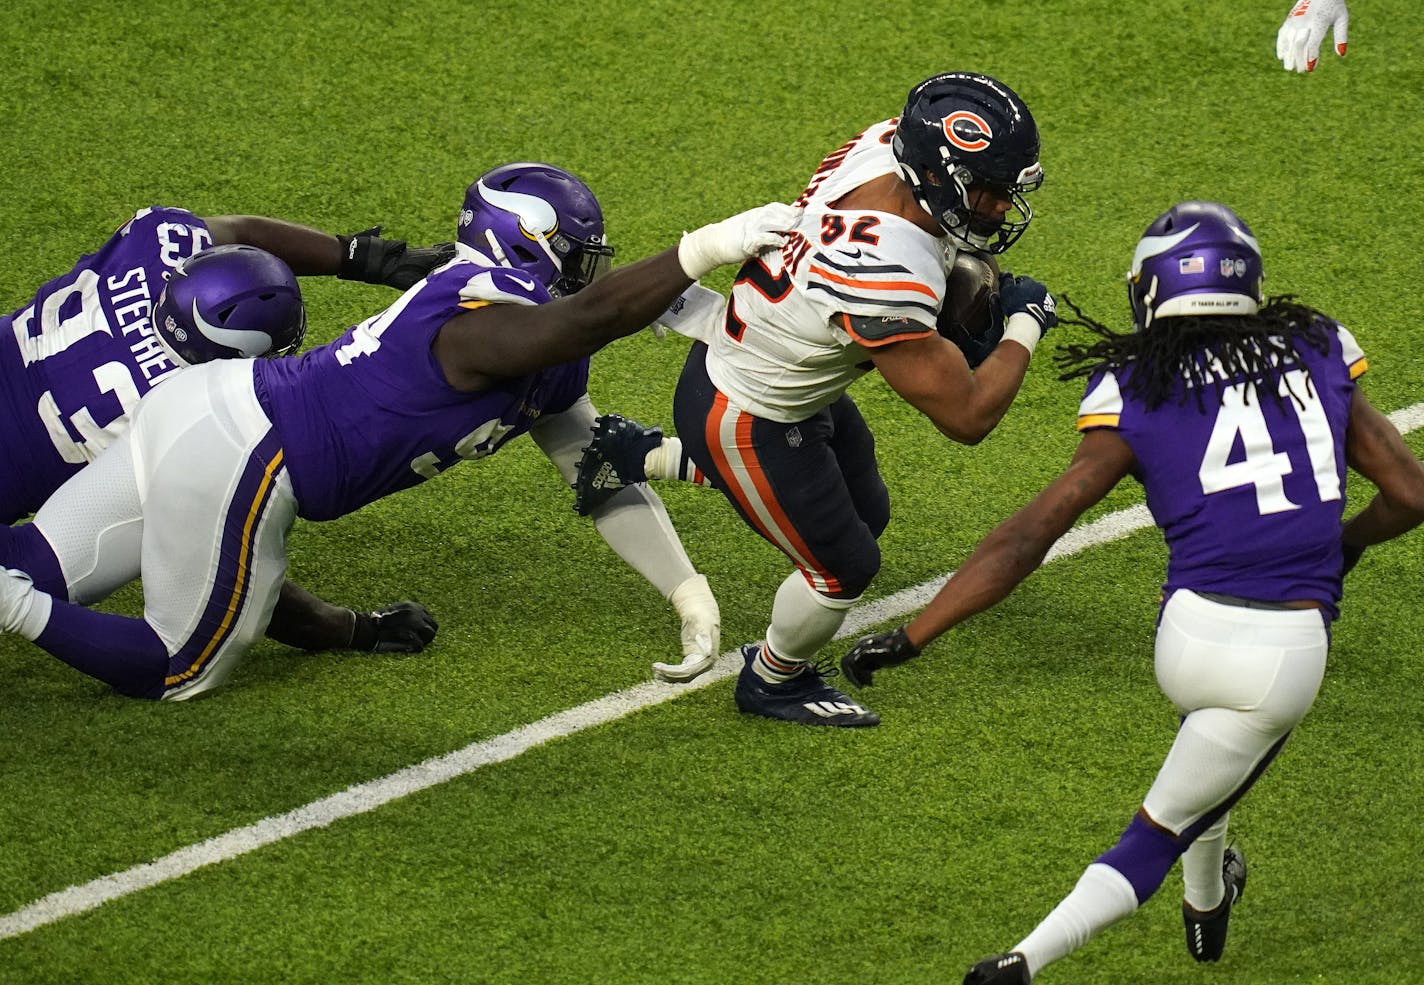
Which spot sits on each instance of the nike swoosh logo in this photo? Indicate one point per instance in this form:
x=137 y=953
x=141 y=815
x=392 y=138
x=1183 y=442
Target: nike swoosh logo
x=853 y=254
x=250 y=344
x=525 y=282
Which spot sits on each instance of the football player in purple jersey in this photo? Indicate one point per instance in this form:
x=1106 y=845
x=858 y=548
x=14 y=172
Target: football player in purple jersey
x=1238 y=417
x=219 y=462
x=77 y=358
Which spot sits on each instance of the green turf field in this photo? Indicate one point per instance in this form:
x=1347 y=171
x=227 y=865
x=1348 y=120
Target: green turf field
x=682 y=843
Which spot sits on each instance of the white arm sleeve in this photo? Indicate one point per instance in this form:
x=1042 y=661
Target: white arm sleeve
x=696 y=313
x=634 y=522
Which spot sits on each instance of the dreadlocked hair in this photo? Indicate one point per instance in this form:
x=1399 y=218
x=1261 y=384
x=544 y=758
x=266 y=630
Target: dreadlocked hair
x=1199 y=353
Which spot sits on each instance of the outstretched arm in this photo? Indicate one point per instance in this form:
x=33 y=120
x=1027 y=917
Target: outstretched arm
x=310 y=252
x=1016 y=548
x=306 y=622
x=1012 y=552
x=479 y=347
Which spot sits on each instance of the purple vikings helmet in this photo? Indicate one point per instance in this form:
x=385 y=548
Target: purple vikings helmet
x=1197 y=258
x=960 y=133
x=539 y=219
x=230 y=302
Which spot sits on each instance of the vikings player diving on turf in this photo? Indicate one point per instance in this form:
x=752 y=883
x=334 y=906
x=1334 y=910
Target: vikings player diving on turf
x=490 y=346
x=77 y=358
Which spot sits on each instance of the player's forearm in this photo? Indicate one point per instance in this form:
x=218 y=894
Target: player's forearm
x=306 y=622
x=1381 y=520
x=991 y=573
x=628 y=299
x=308 y=251
x=970 y=416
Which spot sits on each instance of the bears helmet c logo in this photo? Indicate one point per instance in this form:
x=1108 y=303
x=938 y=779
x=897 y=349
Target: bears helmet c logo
x=967 y=131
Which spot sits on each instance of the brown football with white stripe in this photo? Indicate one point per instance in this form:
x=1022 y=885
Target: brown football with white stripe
x=971 y=315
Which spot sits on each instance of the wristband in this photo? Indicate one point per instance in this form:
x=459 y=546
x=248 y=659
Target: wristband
x=1023 y=329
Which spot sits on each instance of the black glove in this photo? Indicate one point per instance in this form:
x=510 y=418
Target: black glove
x=1352 y=558
x=877 y=650
x=1026 y=296
x=368 y=258
x=401 y=627
x=976 y=350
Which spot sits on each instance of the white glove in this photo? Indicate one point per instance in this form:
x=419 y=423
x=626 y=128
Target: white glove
x=1298 y=40
x=733 y=240
x=701 y=631
x=696 y=313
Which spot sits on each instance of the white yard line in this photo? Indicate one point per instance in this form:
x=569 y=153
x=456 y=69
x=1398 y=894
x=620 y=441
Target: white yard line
x=370 y=795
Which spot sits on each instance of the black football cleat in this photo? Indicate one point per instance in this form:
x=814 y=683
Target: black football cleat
x=1001 y=969
x=613 y=459
x=805 y=699
x=1206 y=932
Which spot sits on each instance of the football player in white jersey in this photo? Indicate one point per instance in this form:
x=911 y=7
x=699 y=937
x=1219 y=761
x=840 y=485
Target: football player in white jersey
x=762 y=410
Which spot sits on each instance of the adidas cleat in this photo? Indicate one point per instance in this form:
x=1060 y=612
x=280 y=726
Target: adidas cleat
x=1001 y=969
x=1206 y=932
x=613 y=459
x=805 y=699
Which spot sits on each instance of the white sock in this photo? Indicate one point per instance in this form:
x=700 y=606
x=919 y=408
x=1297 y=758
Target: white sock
x=669 y=461
x=1102 y=897
x=802 y=621
x=1201 y=868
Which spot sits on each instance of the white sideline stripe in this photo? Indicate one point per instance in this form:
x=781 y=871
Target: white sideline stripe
x=368 y=796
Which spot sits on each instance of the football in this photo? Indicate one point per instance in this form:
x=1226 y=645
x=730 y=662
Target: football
x=971 y=317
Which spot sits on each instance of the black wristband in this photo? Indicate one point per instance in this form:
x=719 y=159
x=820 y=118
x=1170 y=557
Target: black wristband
x=359 y=254
x=363 y=632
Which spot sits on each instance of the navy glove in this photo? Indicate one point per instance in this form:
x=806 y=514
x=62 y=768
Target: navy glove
x=401 y=627
x=877 y=650
x=368 y=258
x=1026 y=296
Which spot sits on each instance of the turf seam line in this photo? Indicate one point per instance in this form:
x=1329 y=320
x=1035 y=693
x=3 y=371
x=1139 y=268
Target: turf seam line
x=368 y=796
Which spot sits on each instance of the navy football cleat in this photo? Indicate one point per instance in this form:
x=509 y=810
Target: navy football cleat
x=805 y=699
x=612 y=460
x=1001 y=969
x=1206 y=932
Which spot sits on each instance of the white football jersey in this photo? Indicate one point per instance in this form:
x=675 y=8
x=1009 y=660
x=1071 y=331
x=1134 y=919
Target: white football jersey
x=787 y=347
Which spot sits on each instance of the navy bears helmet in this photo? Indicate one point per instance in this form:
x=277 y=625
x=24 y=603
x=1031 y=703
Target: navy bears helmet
x=962 y=134
x=539 y=219
x=1197 y=258
x=230 y=302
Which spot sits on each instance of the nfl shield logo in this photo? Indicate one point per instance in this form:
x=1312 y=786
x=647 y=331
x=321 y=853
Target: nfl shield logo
x=1228 y=268
x=793 y=437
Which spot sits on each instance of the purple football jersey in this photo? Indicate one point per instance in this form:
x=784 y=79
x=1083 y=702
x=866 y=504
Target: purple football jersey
x=1249 y=492
x=76 y=359
x=371 y=413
